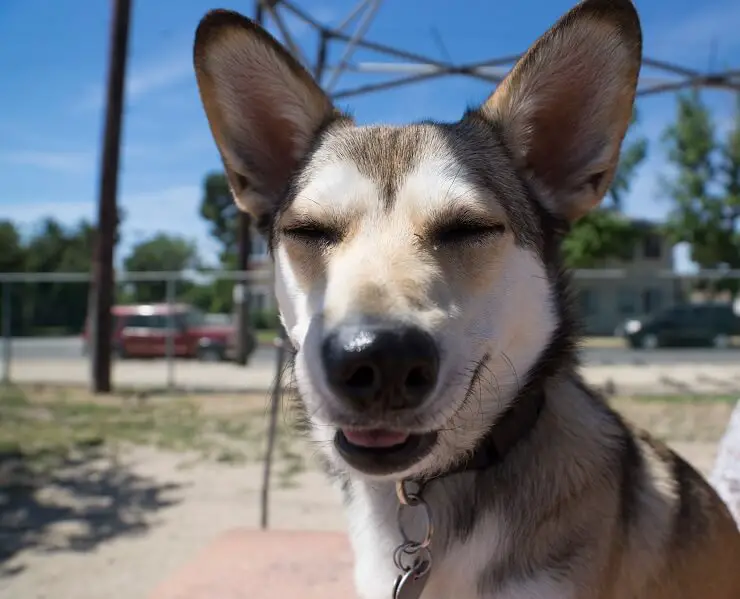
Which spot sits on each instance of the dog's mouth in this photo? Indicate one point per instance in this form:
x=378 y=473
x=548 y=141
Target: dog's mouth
x=380 y=451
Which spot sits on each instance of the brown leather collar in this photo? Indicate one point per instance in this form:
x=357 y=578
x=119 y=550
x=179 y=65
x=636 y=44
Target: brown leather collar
x=511 y=427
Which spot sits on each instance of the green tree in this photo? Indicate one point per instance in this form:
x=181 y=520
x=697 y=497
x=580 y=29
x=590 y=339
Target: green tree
x=48 y=307
x=705 y=190
x=12 y=252
x=605 y=232
x=161 y=253
x=634 y=152
x=12 y=260
x=218 y=209
x=602 y=234
x=56 y=307
x=215 y=297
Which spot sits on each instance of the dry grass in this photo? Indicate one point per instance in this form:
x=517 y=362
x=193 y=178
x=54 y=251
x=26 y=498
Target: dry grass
x=44 y=426
x=603 y=342
x=679 y=418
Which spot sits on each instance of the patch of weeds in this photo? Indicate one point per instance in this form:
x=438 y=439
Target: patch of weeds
x=678 y=417
x=45 y=426
x=232 y=456
x=236 y=428
x=12 y=397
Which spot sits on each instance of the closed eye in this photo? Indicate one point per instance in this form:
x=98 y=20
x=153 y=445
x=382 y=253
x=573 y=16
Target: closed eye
x=312 y=233
x=464 y=232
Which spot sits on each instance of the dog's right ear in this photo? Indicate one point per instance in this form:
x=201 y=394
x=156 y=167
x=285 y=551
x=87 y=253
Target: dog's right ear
x=566 y=105
x=262 y=106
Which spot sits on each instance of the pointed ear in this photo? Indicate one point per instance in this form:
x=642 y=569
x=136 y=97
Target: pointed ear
x=262 y=106
x=566 y=104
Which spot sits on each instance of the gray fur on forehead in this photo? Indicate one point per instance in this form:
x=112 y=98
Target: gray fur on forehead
x=475 y=148
x=383 y=154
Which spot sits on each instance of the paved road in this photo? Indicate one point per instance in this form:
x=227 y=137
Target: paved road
x=618 y=356
x=70 y=348
x=59 y=361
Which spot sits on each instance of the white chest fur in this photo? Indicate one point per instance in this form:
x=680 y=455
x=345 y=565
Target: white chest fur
x=456 y=573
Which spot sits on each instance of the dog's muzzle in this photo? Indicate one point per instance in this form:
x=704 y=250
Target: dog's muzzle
x=379 y=369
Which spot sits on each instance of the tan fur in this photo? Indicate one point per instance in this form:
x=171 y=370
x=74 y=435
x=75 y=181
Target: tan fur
x=561 y=140
x=280 y=132
x=585 y=507
x=664 y=555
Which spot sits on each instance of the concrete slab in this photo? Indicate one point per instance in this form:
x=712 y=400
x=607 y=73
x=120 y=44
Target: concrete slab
x=249 y=564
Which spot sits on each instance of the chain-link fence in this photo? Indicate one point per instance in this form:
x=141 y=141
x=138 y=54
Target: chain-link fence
x=169 y=330
x=646 y=331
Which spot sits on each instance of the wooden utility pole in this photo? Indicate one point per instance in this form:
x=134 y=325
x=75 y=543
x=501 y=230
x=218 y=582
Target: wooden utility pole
x=103 y=275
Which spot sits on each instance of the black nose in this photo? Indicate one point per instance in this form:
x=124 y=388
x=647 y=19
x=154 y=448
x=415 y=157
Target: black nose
x=380 y=364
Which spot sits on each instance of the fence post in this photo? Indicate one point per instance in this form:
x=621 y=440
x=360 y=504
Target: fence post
x=171 y=283
x=7 y=337
x=272 y=426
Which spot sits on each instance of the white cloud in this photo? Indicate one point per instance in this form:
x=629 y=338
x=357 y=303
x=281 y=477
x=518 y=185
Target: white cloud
x=144 y=78
x=173 y=66
x=159 y=76
x=62 y=161
x=28 y=214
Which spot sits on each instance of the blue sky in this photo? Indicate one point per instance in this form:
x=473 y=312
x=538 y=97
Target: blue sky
x=54 y=60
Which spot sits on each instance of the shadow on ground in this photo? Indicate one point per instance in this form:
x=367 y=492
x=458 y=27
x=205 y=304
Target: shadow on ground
x=77 y=505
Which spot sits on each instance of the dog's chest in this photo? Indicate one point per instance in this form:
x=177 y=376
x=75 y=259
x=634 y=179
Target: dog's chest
x=459 y=574
x=469 y=568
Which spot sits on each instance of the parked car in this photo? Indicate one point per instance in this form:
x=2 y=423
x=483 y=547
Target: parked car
x=713 y=324
x=141 y=331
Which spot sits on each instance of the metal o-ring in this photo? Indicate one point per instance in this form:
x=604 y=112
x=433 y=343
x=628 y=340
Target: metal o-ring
x=425 y=561
x=429 y=525
x=406 y=497
x=408 y=548
x=422 y=556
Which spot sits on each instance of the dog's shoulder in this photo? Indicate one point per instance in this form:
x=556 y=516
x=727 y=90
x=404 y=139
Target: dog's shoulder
x=676 y=533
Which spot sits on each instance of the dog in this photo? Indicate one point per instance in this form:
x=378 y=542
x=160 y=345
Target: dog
x=420 y=281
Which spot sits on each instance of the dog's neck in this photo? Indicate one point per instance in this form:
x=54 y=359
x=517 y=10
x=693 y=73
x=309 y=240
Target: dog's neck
x=557 y=361
x=449 y=495
x=512 y=426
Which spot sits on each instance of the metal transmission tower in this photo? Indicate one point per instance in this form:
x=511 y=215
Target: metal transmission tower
x=406 y=67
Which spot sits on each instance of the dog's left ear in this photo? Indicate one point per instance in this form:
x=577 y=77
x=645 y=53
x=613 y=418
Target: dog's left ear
x=566 y=104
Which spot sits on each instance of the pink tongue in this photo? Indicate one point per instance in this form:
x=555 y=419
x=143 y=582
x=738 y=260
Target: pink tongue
x=374 y=438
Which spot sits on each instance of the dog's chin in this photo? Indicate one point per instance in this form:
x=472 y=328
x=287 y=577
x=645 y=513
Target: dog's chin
x=381 y=452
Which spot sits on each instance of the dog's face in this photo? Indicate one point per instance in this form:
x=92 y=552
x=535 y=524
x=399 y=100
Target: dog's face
x=413 y=269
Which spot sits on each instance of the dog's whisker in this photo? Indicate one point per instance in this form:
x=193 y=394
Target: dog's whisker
x=508 y=360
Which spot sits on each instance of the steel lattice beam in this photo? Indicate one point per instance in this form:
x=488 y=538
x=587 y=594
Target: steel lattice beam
x=405 y=67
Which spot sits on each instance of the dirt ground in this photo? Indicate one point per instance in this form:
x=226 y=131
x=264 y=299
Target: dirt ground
x=112 y=524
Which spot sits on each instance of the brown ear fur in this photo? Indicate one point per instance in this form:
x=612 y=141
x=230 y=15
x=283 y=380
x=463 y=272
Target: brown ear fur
x=262 y=106
x=566 y=104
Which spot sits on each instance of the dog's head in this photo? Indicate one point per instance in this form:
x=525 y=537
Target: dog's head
x=416 y=271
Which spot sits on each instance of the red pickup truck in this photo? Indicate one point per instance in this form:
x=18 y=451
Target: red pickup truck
x=141 y=331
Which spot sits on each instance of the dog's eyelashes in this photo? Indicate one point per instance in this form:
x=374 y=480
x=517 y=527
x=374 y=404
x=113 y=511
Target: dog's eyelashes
x=312 y=234
x=464 y=233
